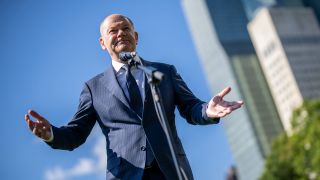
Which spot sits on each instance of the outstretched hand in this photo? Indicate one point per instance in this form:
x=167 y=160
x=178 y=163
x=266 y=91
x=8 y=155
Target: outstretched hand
x=218 y=108
x=41 y=127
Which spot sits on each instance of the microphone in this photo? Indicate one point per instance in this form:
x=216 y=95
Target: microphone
x=126 y=56
x=129 y=57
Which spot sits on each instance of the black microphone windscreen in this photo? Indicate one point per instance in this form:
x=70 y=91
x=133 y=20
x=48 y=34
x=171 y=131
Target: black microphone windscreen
x=125 y=56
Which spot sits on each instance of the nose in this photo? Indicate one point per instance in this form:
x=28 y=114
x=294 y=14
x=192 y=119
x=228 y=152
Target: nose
x=121 y=32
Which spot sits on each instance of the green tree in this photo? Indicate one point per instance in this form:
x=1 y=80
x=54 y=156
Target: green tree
x=297 y=156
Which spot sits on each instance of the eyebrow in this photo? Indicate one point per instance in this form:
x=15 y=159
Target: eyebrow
x=111 y=27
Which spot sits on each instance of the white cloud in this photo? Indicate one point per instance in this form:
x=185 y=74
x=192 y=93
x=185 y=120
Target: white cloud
x=56 y=173
x=99 y=151
x=84 y=166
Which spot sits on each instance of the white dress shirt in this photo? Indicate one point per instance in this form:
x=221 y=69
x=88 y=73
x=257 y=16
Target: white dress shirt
x=137 y=74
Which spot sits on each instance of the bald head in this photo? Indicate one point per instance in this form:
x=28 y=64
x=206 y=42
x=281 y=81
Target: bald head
x=118 y=35
x=113 y=17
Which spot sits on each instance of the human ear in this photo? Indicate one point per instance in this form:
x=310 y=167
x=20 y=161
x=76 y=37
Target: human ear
x=136 y=37
x=101 y=41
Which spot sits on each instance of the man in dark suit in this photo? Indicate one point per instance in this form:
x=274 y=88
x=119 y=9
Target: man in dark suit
x=121 y=102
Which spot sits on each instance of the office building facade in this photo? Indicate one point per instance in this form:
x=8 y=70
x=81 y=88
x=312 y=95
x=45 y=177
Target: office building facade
x=219 y=31
x=287 y=41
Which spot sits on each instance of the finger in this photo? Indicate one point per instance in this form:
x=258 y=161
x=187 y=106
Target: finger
x=228 y=104
x=30 y=123
x=222 y=114
x=235 y=106
x=240 y=102
x=224 y=92
x=233 y=103
x=35 y=131
x=36 y=115
x=228 y=110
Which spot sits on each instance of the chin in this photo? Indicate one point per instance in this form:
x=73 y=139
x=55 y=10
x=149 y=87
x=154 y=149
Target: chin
x=125 y=49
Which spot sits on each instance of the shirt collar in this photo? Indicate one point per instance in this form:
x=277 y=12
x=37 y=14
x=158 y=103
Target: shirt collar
x=118 y=65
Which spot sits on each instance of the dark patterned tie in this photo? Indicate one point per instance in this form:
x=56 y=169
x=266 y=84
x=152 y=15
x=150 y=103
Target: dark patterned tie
x=136 y=105
x=134 y=92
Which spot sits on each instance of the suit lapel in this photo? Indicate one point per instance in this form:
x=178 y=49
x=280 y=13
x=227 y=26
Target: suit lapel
x=111 y=83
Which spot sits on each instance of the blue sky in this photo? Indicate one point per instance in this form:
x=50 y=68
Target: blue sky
x=48 y=49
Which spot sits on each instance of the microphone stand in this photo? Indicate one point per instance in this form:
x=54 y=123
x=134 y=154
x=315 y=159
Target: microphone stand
x=154 y=78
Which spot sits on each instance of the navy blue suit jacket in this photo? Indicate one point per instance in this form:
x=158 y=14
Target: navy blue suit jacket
x=102 y=100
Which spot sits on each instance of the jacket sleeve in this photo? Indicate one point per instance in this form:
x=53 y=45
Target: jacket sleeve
x=189 y=106
x=75 y=133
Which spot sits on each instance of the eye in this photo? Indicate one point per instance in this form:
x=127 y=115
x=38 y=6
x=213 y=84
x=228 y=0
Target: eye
x=112 y=31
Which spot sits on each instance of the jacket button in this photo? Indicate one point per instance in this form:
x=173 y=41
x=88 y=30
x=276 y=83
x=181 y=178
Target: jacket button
x=143 y=148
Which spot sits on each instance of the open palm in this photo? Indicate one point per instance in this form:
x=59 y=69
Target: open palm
x=218 y=108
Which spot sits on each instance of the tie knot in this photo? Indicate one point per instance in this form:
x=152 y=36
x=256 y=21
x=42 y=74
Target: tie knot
x=126 y=68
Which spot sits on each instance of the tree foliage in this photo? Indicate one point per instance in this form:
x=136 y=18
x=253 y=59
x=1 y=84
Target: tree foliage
x=297 y=156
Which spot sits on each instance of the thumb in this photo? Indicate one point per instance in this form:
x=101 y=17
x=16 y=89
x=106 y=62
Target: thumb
x=214 y=101
x=30 y=123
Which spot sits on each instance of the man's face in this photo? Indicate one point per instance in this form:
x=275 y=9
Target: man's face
x=118 y=35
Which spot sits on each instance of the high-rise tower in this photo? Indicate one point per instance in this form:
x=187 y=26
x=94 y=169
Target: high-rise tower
x=219 y=30
x=287 y=41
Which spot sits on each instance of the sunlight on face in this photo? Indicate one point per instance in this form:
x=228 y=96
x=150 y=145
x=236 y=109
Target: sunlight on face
x=118 y=35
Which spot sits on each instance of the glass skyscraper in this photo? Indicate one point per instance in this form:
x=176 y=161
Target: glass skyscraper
x=219 y=30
